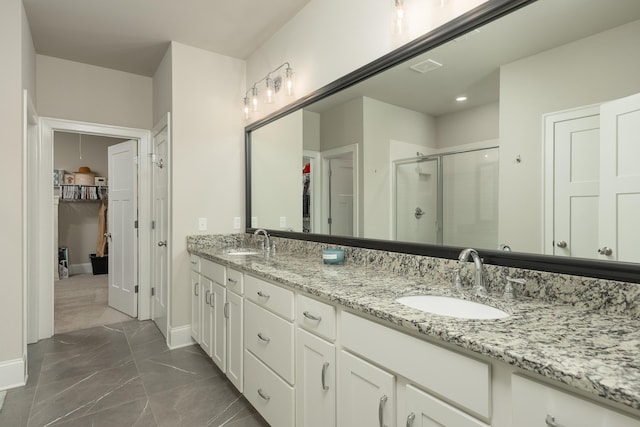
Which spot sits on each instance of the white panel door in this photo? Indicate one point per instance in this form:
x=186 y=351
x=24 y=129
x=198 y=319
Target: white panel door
x=315 y=381
x=123 y=243
x=341 y=195
x=219 y=326
x=367 y=394
x=160 y=257
x=620 y=180
x=577 y=187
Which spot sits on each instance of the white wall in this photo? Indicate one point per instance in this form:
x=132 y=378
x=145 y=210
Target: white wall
x=468 y=126
x=208 y=153
x=585 y=72
x=16 y=50
x=276 y=173
x=330 y=38
x=310 y=130
x=76 y=91
x=162 y=88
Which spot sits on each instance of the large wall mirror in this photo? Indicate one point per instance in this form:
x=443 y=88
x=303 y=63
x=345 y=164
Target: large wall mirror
x=516 y=126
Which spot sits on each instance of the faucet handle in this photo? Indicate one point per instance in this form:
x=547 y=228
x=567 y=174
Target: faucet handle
x=516 y=280
x=508 y=288
x=456 y=282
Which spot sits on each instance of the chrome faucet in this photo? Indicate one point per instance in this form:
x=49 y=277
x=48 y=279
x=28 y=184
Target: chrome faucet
x=266 y=244
x=478 y=286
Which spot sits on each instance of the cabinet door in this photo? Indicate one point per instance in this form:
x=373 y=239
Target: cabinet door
x=535 y=404
x=366 y=394
x=234 y=312
x=219 y=327
x=195 y=306
x=424 y=410
x=207 y=314
x=315 y=381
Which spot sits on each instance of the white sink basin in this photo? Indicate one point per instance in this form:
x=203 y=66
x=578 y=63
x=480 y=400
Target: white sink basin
x=452 y=307
x=242 y=252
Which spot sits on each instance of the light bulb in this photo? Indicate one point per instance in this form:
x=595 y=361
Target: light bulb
x=288 y=81
x=246 y=111
x=269 y=91
x=399 y=15
x=254 y=99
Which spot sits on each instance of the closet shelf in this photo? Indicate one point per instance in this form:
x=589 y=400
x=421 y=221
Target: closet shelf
x=81 y=193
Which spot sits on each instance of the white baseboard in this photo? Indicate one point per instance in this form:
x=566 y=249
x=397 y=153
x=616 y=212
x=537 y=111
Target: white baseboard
x=180 y=337
x=85 y=268
x=12 y=374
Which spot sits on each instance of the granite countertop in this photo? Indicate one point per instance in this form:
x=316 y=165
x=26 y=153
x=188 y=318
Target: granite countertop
x=593 y=352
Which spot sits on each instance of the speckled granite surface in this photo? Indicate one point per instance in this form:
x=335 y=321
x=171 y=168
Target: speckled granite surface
x=586 y=338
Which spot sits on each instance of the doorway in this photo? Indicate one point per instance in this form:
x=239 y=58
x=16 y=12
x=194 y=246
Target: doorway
x=43 y=204
x=340 y=191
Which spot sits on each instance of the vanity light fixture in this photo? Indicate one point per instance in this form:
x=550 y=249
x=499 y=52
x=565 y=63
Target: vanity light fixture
x=399 y=15
x=272 y=84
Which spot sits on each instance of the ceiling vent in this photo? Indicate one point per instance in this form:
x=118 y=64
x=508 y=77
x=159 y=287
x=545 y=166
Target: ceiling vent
x=426 y=66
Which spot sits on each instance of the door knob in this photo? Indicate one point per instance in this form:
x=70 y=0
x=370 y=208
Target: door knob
x=163 y=243
x=561 y=244
x=107 y=235
x=605 y=251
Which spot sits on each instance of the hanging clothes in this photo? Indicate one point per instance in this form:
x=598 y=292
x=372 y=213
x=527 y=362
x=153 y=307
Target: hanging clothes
x=101 y=247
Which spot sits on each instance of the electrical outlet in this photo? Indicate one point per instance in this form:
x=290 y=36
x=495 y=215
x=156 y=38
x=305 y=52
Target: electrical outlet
x=236 y=223
x=202 y=224
x=283 y=221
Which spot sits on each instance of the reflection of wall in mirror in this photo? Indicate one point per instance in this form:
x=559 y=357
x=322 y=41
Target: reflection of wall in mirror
x=276 y=151
x=581 y=73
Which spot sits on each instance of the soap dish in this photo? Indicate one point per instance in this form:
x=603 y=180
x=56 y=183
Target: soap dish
x=332 y=256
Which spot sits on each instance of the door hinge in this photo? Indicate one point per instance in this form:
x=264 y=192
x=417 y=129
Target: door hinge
x=135 y=224
x=135 y=160
x=153 y=292
x=330 y=220
x=153 y=225
x=136 y=289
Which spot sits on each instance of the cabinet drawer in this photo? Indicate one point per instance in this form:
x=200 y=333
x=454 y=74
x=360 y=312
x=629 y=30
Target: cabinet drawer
x=194 y=261
x=234 y=281
x=426 y=410
x=270 y=338
x=213 y=271
x=269 y=296
x=461 y=379
x=317 y=317
x=272 y=397
x=533 y=402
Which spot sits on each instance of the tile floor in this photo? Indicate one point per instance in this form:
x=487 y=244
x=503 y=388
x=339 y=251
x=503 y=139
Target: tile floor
x=123 y=375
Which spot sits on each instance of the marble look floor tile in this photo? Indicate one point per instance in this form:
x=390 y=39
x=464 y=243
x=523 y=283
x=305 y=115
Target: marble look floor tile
x=78 y=396
x=17 y=404
x=175 y=368
x=146 y=340
x=251 y=420
x=35 y=357
x=133 y=414
x=209 y=402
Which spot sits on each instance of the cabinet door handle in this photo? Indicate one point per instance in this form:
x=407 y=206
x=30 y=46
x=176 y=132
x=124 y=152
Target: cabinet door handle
x=323 y=376
x=263 y=295
x=311 y=316
x=193 y=263
x=383 y=401
x=207 y=297
x=263 y=395
x=226 y=309
x=230 y=280
x=551 y=422
x=195 y=289
x=410 y=419
x=605 y=251
x=263 y=338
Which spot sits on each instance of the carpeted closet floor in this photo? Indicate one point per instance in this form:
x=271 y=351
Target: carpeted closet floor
x=81 y=303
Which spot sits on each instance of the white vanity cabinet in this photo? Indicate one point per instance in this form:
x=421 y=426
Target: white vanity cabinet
x=269 y=352
x=234 y=311
x=315 y=363
x=195 y=299
x=218 y=324
x=213 y=326
x=535 y=404
x=366 y=394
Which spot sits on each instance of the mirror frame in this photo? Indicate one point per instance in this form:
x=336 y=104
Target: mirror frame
x=483 y=14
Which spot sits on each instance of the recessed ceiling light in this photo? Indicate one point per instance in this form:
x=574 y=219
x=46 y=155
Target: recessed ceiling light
x=461 y=98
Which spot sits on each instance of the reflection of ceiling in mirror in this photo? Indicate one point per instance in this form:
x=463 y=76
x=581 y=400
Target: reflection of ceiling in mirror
x=472 y=69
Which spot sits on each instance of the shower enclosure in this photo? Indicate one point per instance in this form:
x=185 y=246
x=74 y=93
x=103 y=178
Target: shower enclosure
x=449 y=198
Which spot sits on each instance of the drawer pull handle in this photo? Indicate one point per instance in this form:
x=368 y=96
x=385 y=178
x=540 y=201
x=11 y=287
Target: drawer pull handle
x=195 y=289
x=323 y=376
x=230 y=280
x=193 y=263
x=383 y=401
x=311 y=316
x=410 y=419
x=551 y=422
x=263 y=295
x=264 y=396
x=207 y=297
x=263 y=338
